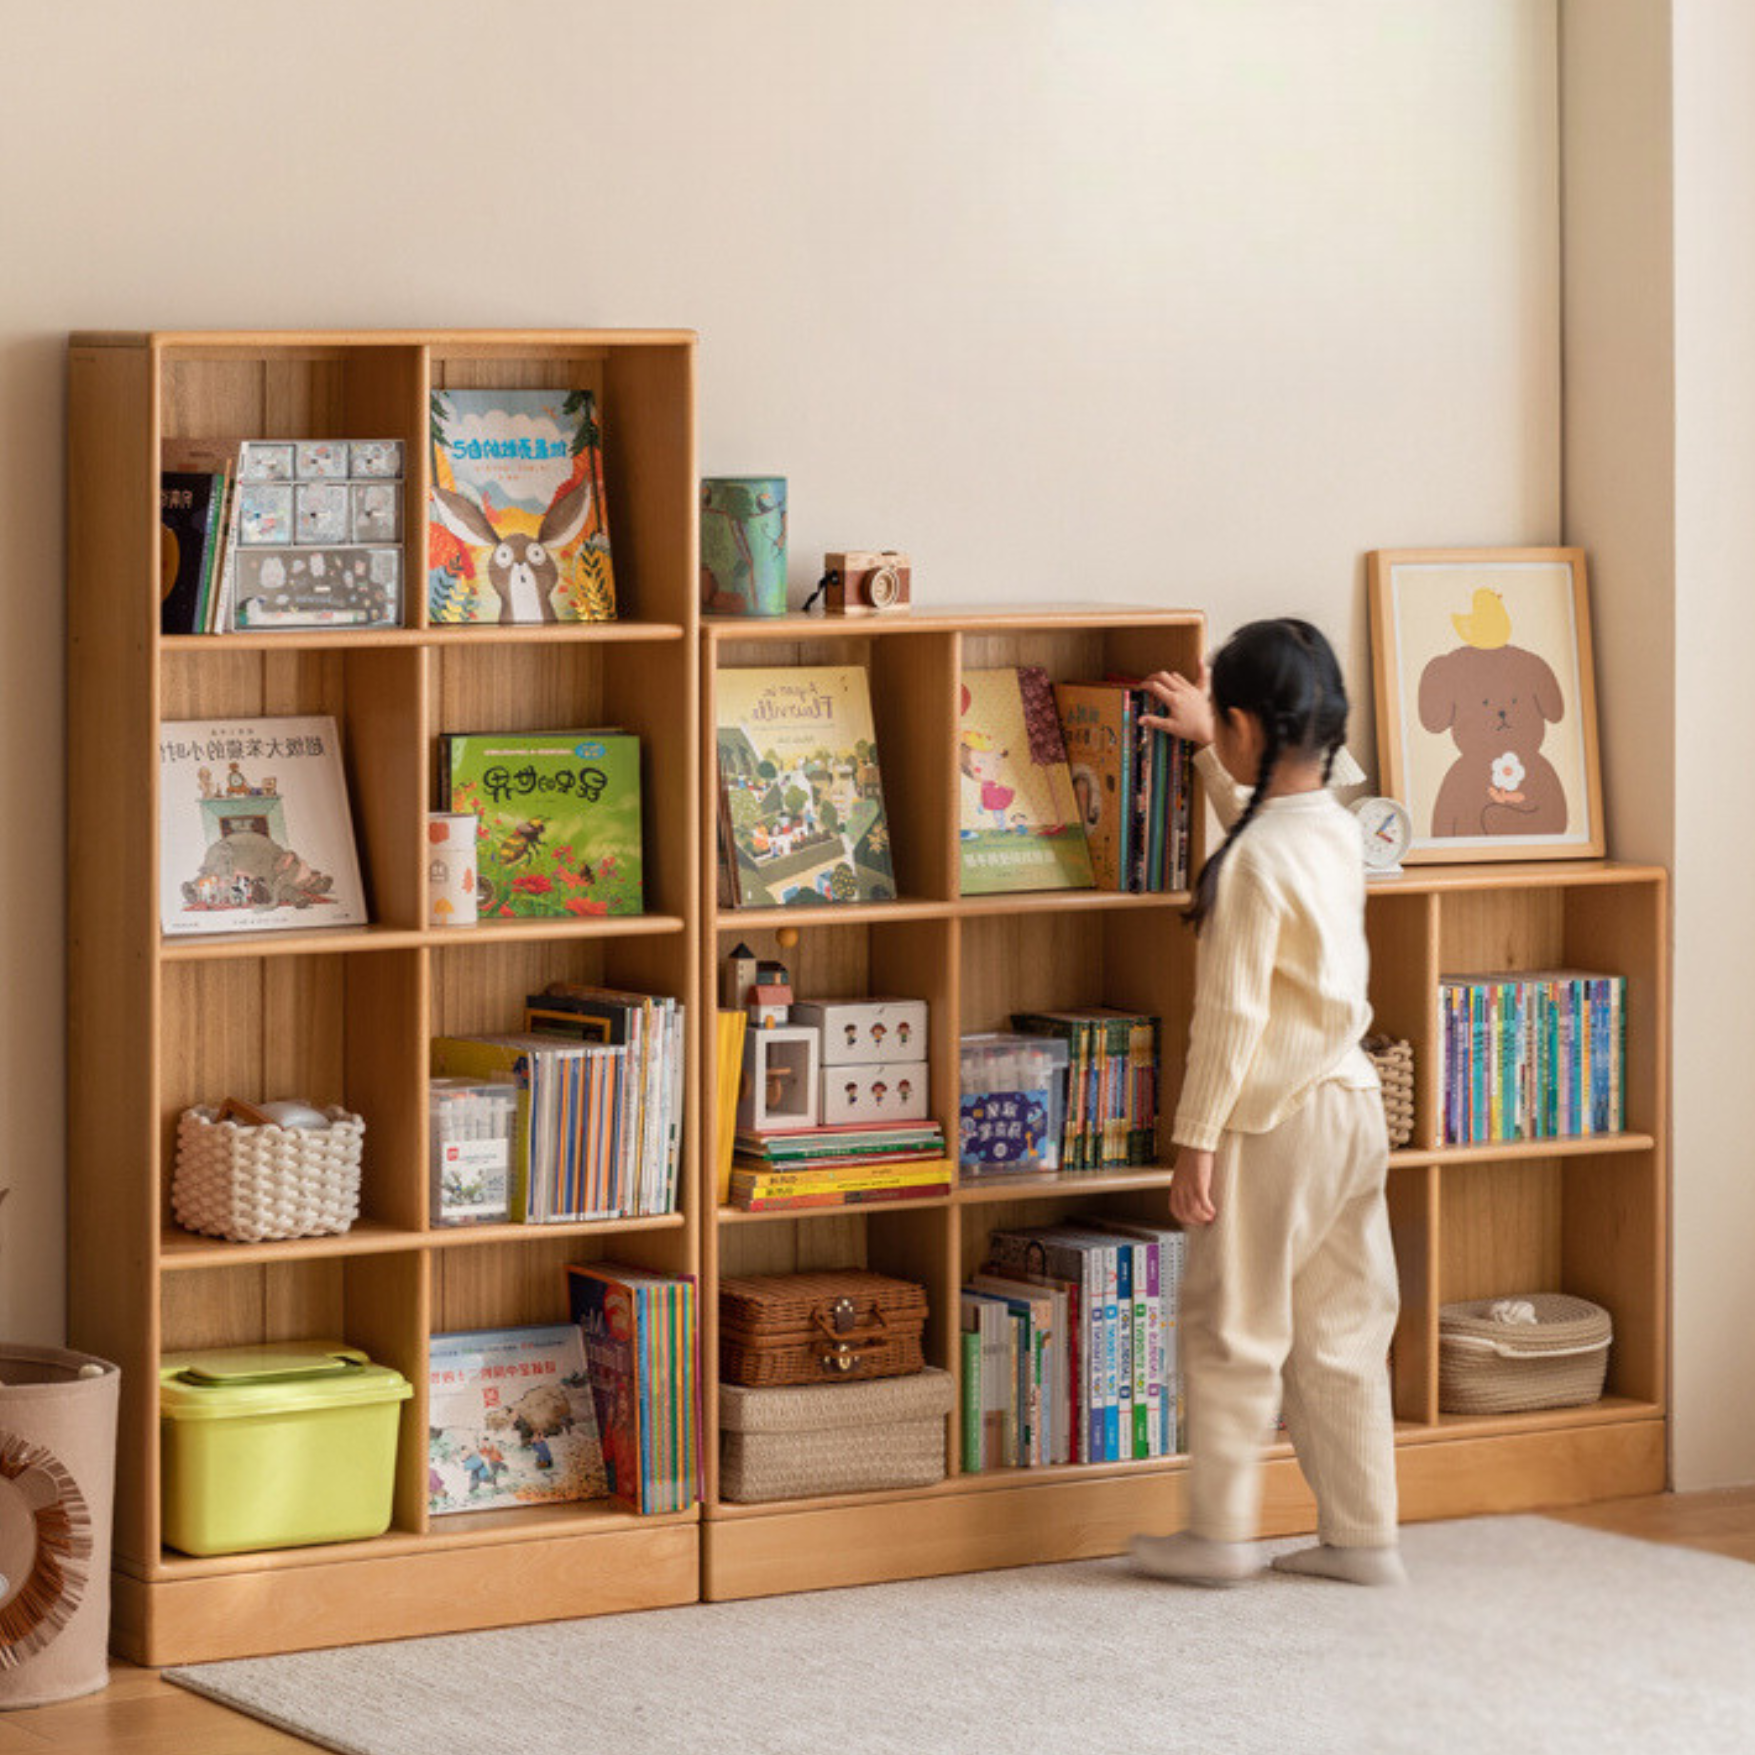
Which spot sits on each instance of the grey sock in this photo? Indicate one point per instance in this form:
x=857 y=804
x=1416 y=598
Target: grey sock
x=1349 y=1565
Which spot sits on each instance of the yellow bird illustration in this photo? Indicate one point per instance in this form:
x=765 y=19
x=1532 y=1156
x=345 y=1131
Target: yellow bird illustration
x=1486 y=625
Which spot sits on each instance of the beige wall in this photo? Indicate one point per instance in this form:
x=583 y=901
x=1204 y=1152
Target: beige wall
x=1160 y=299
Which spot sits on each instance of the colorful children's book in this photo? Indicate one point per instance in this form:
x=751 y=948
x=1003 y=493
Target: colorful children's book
x=254 y=830
x=1020 y=820
x=191 y=503
x=1097 y=721
x=559 y=819
x=517 y=530
x=511 y=1420
x=801 y=791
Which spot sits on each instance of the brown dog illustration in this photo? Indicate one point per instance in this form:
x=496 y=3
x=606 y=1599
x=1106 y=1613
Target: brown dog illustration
x=1497 y=703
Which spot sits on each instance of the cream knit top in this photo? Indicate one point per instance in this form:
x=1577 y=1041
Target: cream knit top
x=1280 y=976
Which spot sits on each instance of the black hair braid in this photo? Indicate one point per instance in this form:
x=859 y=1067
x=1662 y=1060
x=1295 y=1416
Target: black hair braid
x=1206 y=886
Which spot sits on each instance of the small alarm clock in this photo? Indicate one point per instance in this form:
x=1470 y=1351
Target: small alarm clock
x=1386 y=832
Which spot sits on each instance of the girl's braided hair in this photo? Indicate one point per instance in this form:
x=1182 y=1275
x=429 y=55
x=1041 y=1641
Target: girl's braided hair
x=1287 y=675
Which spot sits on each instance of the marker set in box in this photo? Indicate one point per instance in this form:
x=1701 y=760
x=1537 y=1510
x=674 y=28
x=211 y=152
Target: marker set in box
x=1013 y=1103
x=471 y=1142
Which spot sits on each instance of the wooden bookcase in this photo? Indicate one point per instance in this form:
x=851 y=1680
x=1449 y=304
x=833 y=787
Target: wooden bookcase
x=345 y=1015
x=1587 y=1217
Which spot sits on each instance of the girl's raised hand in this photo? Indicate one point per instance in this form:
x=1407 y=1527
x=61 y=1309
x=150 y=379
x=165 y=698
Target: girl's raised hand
x=1188 y=706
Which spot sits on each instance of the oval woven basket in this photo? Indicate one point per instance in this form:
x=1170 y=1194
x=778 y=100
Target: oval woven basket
x=1487 y=1366
x=266 y=1184
x=1394 y=1061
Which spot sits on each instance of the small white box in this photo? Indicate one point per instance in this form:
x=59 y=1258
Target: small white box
x=884 y=1090
x=779 y=1079
x=862 y=1032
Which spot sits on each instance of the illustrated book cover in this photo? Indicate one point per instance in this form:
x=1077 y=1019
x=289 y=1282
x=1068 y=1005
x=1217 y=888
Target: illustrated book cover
x=191 y=504
x=1097 y=722
x=1019 y=819
x=801 y=789
x=254 y=829
x=558 y=829
x=511 y=1420
x=517 y=529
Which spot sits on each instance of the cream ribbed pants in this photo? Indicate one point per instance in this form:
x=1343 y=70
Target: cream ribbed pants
x=1294 y=1284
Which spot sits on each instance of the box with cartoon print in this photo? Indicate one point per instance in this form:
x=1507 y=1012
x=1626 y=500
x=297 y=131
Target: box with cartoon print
x=857 y=1031
x=880 y=1091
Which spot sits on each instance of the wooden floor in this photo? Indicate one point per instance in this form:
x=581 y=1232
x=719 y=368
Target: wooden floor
x=140 y=1715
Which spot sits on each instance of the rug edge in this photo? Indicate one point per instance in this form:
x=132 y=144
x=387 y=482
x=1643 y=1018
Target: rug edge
x=185 y=1678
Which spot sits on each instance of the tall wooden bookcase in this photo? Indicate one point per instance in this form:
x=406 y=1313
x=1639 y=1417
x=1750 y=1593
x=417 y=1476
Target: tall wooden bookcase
x=345 y=1015
x=1586 y=1217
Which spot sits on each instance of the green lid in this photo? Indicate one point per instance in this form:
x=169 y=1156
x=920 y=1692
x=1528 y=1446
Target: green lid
x=230 y=1383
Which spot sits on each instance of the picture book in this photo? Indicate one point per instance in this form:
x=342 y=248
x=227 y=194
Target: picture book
x=1019 y=821
x=254 y=830
x=191 y=503
x=517 y=529
x=1097 y=722
x=801 y=789
x=511 y=1420
x=558 y=819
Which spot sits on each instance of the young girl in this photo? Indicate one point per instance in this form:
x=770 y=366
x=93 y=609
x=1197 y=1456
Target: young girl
x=1290 y=1290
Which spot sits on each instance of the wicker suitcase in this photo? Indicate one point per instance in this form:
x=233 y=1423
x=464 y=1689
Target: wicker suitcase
x=819 y=1328
x=809 y=1439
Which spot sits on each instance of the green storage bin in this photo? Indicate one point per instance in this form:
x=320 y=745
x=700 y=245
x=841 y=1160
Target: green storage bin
x=277 y=1447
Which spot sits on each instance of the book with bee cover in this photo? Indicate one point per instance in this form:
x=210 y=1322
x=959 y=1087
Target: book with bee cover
x=516 y=525
x=559 y=819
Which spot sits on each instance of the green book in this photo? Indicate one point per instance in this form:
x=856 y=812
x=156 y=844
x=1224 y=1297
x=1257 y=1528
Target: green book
x=559 y=814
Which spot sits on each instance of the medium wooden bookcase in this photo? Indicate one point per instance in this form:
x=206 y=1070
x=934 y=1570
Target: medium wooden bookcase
x=1587 y=1217
x=345 y=1015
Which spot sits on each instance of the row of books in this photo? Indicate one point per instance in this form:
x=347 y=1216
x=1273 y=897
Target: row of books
x=1533 y=1056
x=599 y=1125
x=1133 y=785
x=1069 y=1349
x=1061 y=786
x=840 y=1166
x=643 y=1357
x=1111 y=1110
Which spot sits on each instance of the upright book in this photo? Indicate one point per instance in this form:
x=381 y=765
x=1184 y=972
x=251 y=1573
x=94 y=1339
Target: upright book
x=191 y=505
x=801 y=793
x=559 y=819
x=1019 y=819
x=254 y=830
x=517 y=529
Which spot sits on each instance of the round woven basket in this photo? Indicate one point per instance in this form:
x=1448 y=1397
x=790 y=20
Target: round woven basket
x=266 y=1184
x=1394 y=1061
x=1490 y=1366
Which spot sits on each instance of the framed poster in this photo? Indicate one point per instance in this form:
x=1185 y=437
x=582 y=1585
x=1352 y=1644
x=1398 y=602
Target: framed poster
x=1486 y=703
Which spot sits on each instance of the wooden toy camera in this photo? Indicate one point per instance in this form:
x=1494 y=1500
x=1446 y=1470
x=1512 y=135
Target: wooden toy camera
x=863 y=582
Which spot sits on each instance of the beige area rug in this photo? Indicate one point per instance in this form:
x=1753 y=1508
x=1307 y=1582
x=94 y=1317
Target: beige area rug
x=1515 y=1635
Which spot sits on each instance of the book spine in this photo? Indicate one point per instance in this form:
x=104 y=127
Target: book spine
x=1155 y=1379
x=970 y=1401
x=1138 y=1356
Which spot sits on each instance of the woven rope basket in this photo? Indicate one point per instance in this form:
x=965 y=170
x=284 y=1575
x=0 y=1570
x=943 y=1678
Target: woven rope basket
x=1395 y=1068
x=266 y=1184
x=1490 y=1366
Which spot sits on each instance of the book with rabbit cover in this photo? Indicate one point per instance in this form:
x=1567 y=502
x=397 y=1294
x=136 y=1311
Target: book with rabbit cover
x=1020 y=819
x=254 y=829
x=558 y=829
x=516 y=529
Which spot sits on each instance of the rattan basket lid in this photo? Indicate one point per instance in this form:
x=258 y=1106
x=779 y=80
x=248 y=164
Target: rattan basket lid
x=1562 y=1324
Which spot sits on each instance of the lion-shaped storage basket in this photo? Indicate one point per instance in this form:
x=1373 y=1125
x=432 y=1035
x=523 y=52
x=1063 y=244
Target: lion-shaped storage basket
x=1514 y=1355
x=1394 y=1061
x=262 y=1184
x=834 y=1327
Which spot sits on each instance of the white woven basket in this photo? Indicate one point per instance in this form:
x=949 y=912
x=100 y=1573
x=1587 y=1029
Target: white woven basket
x=265 y=1184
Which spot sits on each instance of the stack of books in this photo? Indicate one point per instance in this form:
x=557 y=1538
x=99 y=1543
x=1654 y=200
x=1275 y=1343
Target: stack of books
x=599 y=1126
x=1069 y=1348
x=642 y=1359
x=840 y=1166
x=1111 y=1111
x=1134 y=785
x=1533 y=1056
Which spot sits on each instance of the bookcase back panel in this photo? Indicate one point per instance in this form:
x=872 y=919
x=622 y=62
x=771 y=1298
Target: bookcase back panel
x=1614 y=1252
x=1500 y=1232
x=483 y=987
x=500 y=1285
x=1485 y=931
x=1402 y=933
x=1412 y=1196
x=1623 y=929
x=793 y=1246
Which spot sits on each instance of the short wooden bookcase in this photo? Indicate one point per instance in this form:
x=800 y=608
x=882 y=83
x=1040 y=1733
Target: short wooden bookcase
x=1586 y=1217
x=345 y=1016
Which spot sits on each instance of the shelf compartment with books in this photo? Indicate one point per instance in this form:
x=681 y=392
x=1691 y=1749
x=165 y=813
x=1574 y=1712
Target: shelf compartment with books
x=377 y=1303
x=376 y=697
x=331 y=1030
x=643 y=382
x=542 y=687
x=910 y=682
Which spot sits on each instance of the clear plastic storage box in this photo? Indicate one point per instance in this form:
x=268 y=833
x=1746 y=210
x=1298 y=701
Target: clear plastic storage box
x=1013 y=1109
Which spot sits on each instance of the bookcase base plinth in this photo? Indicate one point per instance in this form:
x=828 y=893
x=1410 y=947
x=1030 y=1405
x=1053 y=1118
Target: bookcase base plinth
x=1038 y=1522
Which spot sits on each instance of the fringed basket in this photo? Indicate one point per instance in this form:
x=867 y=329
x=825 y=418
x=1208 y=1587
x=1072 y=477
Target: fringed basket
x=1394 y=1061
x=265 y=1184
x=1514 y=1355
